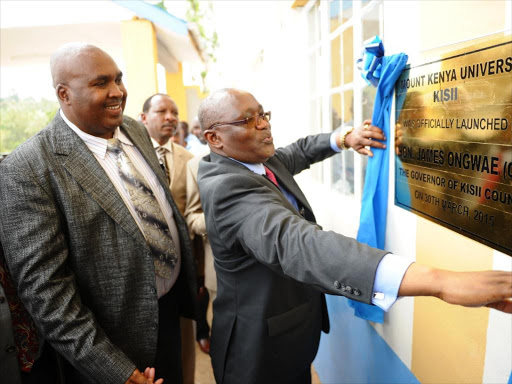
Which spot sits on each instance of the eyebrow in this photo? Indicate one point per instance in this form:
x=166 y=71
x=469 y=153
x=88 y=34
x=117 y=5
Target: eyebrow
x=251 y=111
x=106 y=77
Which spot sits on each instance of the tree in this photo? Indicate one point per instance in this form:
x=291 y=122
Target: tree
x=21 y=119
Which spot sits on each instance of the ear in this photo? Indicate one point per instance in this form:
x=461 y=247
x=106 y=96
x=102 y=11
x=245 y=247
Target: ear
x=63 y=93
x=213 y=138
x=143 y=118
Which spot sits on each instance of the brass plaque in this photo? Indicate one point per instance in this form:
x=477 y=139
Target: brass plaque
x=453 y=152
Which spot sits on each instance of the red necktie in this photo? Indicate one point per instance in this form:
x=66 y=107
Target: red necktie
x=271 y=176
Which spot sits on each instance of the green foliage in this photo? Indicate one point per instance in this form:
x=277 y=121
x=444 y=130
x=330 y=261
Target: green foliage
x=197 y=14
x=161 y=5
x=21 y=119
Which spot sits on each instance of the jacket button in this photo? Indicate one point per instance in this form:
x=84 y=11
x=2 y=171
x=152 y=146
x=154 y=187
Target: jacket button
x=357 y=292
x=2 y=299
x=337 y=284
x=10 y=349
x=348 y=289
x=152 y=290
x=154 y=326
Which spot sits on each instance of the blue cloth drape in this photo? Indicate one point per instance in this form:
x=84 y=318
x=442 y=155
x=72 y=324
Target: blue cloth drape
x=372 y=227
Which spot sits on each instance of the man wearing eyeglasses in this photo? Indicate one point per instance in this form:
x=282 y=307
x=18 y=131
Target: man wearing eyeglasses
x=274 y=263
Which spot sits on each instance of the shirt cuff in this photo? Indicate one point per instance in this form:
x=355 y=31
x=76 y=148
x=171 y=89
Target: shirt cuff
x=389 y=275
x=334 y=146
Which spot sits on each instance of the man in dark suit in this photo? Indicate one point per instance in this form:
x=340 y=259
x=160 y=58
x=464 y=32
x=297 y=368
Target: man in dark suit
x=274 y=263
x=99 y=254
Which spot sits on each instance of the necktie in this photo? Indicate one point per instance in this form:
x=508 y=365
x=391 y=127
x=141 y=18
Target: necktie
x=154 y=226
x=271 y=176
x=24 y=329
x=161 y=151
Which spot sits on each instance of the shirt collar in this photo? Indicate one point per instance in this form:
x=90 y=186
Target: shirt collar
x=167 y=145
x=256 y=168
x=96 y=145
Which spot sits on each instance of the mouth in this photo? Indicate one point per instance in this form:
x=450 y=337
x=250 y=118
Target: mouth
x=117 y=107
x=268 y=140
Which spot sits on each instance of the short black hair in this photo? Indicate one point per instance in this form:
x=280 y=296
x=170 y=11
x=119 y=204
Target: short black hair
x=147 y=103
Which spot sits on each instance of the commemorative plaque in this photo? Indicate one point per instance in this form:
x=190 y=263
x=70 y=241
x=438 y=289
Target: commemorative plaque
x=453 y=140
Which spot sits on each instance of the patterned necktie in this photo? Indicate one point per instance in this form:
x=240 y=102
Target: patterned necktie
x=271 y=176
x=161 y=151
x=154 y=226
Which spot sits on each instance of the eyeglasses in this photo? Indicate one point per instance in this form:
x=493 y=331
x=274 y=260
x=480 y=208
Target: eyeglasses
x=257 y=118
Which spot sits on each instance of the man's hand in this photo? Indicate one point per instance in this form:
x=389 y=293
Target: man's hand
x=366 y=135
x=148 y=377
x=470 y=289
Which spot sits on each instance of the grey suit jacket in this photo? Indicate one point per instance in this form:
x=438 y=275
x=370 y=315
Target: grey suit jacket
x=80 y=263
x=273 y=266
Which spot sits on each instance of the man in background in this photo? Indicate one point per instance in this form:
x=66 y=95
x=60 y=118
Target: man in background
x=160 y=116
x=196 y=131
x=190 y=141
x=196 y=222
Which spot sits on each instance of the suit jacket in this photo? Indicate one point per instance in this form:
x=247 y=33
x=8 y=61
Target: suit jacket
x=77 y=256
x=273 y=266
x=177 y=170
x=196 y=222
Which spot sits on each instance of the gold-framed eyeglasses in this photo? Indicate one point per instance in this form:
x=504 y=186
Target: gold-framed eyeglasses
x=258 y=119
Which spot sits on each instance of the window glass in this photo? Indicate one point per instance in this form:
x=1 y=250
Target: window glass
x=342 y=165
x=348 y=107
x=336 y=62
x=371 y=25
x=348 y=55
x=346 y=12
x=315 y=119
x=336 y=111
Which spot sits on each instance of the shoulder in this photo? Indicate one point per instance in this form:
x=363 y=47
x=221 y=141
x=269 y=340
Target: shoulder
x=180 y=151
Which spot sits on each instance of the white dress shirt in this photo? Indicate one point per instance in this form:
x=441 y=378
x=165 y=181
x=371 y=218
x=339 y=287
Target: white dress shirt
x=98 y=146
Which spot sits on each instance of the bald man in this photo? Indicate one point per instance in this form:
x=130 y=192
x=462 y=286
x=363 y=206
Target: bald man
x=99 y=253
x=274 y=263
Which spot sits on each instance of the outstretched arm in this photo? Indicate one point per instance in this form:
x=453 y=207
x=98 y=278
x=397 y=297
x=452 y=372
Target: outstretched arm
x=470 y=289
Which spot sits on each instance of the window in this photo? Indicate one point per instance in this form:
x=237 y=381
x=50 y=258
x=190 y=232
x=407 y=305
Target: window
x=338 y=94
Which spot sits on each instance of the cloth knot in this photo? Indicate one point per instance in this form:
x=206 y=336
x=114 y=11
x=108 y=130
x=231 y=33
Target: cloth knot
x=114 y=146
x=370 y=63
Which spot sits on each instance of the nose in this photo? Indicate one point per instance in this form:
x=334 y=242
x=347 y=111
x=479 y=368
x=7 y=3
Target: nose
x=169 y=115
x=264 y=124
x=116 y=92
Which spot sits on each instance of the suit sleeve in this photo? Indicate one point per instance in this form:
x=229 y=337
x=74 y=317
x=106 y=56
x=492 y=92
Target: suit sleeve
x=250 y=219
x=194 y=212
x=33 y=234
x=300 y=155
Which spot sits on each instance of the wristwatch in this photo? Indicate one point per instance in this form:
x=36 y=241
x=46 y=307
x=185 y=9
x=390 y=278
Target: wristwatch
x=340 y=140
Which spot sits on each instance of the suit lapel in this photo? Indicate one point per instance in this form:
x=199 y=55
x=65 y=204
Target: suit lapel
x=85 y=169
x=284 y=177
x=286 y=180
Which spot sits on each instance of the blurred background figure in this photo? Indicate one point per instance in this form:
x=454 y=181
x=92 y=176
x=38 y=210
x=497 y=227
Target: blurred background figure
x=190 y=141
x=196 y=131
